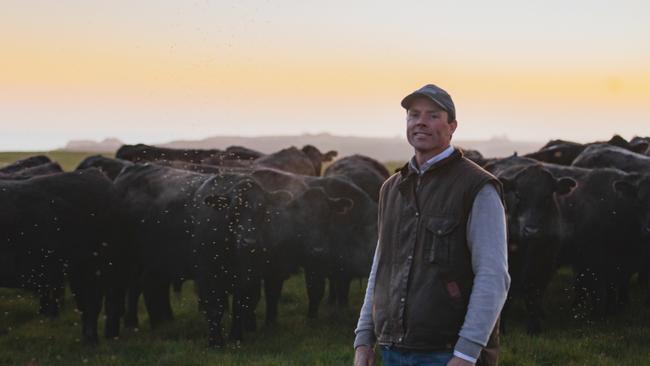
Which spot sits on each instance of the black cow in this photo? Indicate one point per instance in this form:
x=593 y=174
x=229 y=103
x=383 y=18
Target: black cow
x=155 y=202
x=64 y=225
x=307 y=161
x=597 y=219
x=29 y=162
x=244 y=153
x=607 y=156
x=475 y=156
x=110 y=167
x=353 y=234
x=30 y=167
x=639 y=143
x=34 y=166
x=564 y=152
x=367 y=173
x=144 y=153
x=241 y=235
x=185 y=224
x=535 y=234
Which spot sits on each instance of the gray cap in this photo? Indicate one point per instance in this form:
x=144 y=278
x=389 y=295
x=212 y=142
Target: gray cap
x=435 y=94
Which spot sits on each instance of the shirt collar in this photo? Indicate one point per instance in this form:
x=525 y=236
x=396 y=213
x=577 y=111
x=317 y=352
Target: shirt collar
x=413 y=165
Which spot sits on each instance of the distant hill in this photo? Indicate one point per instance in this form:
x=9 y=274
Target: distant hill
x=382 y=149
x=107 y=145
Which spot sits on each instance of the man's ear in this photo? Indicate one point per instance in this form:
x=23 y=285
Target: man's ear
x=453 y=125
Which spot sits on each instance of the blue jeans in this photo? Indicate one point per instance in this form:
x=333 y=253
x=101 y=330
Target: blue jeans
x=393 y=357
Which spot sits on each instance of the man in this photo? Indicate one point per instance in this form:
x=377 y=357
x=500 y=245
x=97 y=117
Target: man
x=439 y=277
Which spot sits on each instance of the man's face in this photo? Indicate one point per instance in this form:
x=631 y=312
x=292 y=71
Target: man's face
x=427 y=128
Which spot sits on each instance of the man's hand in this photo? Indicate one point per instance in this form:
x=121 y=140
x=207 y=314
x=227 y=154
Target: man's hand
x=455 y=361
x=364 y=356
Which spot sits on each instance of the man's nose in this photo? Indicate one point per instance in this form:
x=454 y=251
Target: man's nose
x=420 y=120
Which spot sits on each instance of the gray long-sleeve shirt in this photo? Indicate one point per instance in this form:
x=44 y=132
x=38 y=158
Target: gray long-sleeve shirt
x=486 y=240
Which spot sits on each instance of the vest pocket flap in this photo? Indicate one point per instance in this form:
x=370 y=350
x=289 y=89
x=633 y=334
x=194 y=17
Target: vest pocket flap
x=439 y=238
x=441 y=226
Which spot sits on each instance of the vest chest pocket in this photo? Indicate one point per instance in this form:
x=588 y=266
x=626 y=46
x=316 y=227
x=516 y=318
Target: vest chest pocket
x=439 y=233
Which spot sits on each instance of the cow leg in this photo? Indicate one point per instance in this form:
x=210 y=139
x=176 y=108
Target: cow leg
x=177 y=286
x=48 y=304
x=504 y=313
x=582 y=296
x=213 y=302
x=343 y=291
x=533 y=300
x=272 y=291
x=153 y=299
x=114 y=305
x=166 y=312
x=315 y=282
x=236 y=328
x=51 y=299
x=92 y=303
x=252 y=299
x=132 y=297
x=332 y=300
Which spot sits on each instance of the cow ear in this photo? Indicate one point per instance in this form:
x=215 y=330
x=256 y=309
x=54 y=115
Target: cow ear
x=330 y=155
x=625 y=188
x=280 y=197
x=217 y=201
x=565 y=185
x=507 y=184
x=640 y=147
x=341 y=206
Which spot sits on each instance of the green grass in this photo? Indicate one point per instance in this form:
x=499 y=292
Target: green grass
x=26 y=338
x=67 y=159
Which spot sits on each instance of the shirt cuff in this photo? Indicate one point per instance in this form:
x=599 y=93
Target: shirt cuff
x=465 y=357
x=467 y=350
x=364 y=338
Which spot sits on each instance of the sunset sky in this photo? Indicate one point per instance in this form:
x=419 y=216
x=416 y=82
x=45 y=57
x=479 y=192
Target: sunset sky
x=154 y=71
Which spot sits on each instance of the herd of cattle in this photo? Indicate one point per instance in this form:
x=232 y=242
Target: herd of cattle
x=229 y=220
x=235 y=220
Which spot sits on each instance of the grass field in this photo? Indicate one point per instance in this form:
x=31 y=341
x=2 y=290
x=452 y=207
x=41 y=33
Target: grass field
x=68 y=160
x=29 y=339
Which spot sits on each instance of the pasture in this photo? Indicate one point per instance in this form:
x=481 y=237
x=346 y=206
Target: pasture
x=29 y=339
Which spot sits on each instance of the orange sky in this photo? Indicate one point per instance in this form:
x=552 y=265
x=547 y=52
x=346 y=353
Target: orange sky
x=153 y=72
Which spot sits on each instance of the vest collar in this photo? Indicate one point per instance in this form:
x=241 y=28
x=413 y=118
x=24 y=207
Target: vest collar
x=406 y=171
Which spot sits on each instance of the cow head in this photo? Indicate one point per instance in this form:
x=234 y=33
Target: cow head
x=306 y=220
x=250 y=210
x=531 y=202
x=317 y=158
x=637 y=191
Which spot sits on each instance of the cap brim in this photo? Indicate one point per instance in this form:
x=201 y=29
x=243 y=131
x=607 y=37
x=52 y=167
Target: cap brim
x=406 y=102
